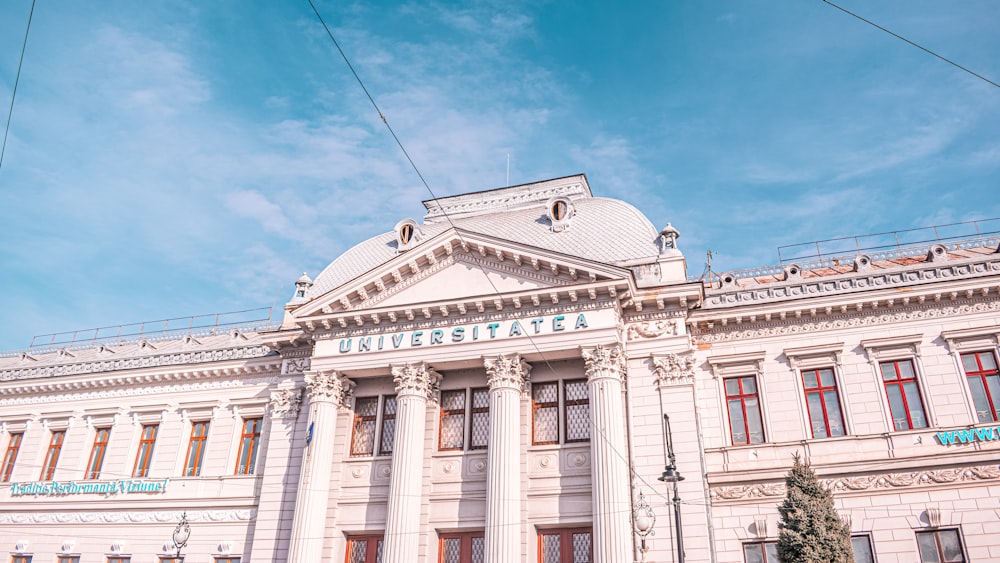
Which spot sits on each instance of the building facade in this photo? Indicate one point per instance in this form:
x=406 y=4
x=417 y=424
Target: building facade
x=490 y=384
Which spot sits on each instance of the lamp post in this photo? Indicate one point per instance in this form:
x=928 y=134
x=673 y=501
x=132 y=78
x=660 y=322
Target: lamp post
x=644 y=519
x=181 y=534
x=671 y=475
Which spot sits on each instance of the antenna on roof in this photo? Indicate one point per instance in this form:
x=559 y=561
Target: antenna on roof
x=708 y=265
x=508 y=171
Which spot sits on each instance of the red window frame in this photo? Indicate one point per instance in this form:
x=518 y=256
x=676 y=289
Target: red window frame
x=52 y=455
x=476 y=441
x=821 y=391
x=196 y=449
x=144 y=455
x=371 y=542
x=465 y=545
x=246 y=461
x=983 y=375
x=539 y=405
x=20 y=559
x=446 y=414
x=572 y=403
x=10 y=455
x=360 y=420
x=764 y=547
x=97 y=451
x=742 y=396
x=565 y=539
x=119 y=559
x=900 y=382
x=67 y=559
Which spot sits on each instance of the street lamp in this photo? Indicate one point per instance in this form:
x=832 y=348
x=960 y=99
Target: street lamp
x=181 y=534
x=671 y=475
x=644 y=519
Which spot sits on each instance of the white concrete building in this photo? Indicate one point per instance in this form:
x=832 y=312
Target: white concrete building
x=489 y=384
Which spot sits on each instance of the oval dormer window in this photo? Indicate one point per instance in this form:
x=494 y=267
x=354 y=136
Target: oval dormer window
x=406 y=234
x=560 y=212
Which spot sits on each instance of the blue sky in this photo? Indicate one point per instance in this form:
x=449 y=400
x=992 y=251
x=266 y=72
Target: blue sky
x=178 y=158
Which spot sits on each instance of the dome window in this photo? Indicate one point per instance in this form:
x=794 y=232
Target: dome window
x=408 y=234
x=559 y=211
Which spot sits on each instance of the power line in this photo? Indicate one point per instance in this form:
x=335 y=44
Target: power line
x=922 y=48
x=17 y=79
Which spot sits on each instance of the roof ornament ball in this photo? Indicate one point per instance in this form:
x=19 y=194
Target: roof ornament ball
x=668 y=238
x=302 y=285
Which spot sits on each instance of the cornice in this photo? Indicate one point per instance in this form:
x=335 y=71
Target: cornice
x=120 y=387
x=864 y=483
x=780 y=294
x=709 y=332
x=127 y=517
x=141 y=362
x=501 y=200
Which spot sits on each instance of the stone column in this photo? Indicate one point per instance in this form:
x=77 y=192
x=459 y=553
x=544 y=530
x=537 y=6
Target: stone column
x=327 y=390
x=415 y=385
x=506 y=376
x=609 y=457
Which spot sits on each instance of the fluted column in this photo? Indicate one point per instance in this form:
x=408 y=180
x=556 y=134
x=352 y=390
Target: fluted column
x=506 y=376
x=326 y=390
x=415 y=385
x=609 y=465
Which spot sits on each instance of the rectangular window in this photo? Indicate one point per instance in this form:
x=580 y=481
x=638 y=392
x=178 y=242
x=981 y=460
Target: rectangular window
x=388 y=434
x=452 y=431
x=196 y=449
x=119 y=559
x=20 y=559
x=228 y=559
x=365 y=417
x=467 y=547
x=745 y=422
x=364 y=549
x=940 y=546
x=52 y=456
x=97 y=452
x=249 y=442
x=984 y=382
x=861 y=545
x=464 y=411
x=10 y=456
x=144 y=457
x=901 y=389
x=573 y=545
x=556 y=405
x=823 y=403
x=67 y=559
x=761 y=552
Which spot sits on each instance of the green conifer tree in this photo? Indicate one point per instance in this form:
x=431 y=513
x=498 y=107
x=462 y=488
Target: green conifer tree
x=811 y=531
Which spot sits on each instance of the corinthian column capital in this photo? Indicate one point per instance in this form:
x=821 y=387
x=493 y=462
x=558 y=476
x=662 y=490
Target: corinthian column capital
x=329 y=386
x=673 y=369
x=508 y=371
x=604 y=362
x=415 y=380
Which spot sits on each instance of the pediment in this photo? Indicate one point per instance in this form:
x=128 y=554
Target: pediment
x=456 y=267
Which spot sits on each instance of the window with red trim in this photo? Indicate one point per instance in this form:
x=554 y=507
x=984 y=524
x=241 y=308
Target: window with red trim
x=52 y=455
x=761 y=552
x=196 y=448
x=364 y=549
x=743 y=403
x=97 y=452
x=387 y=437
x=464 y=411
x=20 y=559
x=560 y=409
x=568 y=545
x=903 y=393
x=463 y=547
x=984 y=383
x=365 y=418
x=144 y=457
x=249 y=443
x=823 y=403
x=10 y=456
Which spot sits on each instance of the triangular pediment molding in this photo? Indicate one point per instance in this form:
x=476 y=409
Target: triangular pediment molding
x=408 y=279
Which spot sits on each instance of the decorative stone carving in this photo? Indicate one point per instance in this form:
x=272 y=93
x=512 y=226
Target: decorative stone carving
x=603 y=362
x=508 y=371
x=295 y=366
x=286 y=402
x=415 y=379
x=652 y=329
x=157 y=517
x=673 y=369
x=866 y=482
x=329 y=386
x=844 y=321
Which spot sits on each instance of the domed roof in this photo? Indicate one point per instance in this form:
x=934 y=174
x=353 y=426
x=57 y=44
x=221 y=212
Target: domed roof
x=601 y=230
